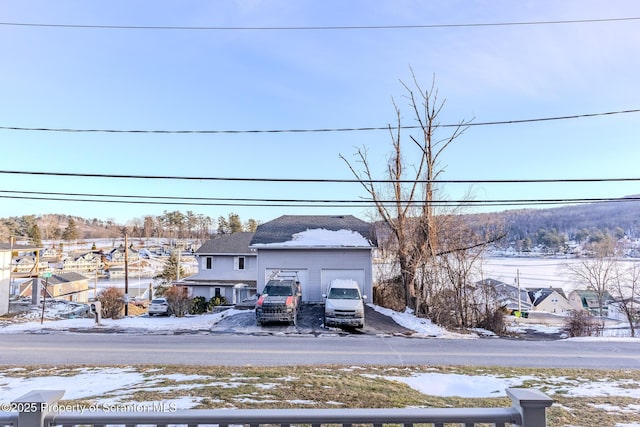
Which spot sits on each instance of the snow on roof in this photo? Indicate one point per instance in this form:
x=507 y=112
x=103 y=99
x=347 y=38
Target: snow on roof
x=324 y=238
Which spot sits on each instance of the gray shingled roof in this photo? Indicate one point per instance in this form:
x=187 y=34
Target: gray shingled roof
x=18 y=248
x=59 y=278
x=235 y=243
x=283 y=228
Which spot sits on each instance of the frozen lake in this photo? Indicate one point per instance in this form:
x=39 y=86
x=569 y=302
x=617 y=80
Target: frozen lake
x=534 y=272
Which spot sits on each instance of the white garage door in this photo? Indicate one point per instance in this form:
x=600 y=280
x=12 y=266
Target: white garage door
x=301 y=273
x=327 y=275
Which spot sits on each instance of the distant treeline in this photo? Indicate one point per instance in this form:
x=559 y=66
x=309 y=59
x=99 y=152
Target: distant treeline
x=584 y=223
x=170 y=224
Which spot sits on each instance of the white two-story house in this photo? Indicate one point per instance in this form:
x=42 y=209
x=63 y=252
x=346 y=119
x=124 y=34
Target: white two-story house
x=317 y=249
x=226 y=268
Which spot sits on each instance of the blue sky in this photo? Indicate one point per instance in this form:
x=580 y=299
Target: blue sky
x=141 y=79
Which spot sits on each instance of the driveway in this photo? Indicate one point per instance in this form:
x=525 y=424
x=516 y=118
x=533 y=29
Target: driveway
x=310 y=321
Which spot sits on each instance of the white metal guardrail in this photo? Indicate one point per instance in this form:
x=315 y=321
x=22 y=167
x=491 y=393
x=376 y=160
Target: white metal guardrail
x=41 y=408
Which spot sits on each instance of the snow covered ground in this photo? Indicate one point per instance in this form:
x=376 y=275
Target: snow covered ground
x=112 y=388
x=239 y=321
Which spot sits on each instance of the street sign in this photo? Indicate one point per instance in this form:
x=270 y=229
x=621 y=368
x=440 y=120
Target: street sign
x=46 y=274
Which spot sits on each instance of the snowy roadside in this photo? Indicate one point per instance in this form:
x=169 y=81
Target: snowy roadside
x=231 y=321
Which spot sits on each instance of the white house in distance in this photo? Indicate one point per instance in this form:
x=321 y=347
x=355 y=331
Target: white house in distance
x=318 y=249
x=550 y=300
x=5 y=277
x=226 y=268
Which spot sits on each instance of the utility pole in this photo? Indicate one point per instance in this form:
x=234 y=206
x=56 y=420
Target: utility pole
x=126 y=275
x=178 y=268
x=44 y=296
x=519 y=297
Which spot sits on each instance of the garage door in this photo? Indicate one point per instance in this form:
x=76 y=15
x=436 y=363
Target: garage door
x=327 y=275
x=301 y=273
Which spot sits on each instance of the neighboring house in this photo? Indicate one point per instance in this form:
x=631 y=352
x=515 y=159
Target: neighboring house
x=26 y=264
x=550 y=300
x=116 y=255
x=226 y=268
x=88 y=262
x=317 y=249
x=616 y=312
x=67 y=286
x=5 y=277
x=113 y=264
x=504 y=294
x=588 y=300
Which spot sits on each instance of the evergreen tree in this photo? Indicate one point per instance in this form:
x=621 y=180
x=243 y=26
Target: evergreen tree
x=223 y=226
x=251 y=225
x=35 y=235
x=235 y=225
x=170 y=271
x=71 y=232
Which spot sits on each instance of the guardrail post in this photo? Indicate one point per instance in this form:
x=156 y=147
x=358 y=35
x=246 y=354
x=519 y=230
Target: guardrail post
x=35 y=405
x=532 y=405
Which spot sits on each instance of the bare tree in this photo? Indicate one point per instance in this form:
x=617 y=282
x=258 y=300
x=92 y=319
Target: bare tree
x=50 y=226
x=448 y=293
x=410 y=213
x=626 y=292
x=598 y=272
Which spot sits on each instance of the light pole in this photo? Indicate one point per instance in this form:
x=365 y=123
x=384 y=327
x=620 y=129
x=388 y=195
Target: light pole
x=46 y=275
x=126 y=275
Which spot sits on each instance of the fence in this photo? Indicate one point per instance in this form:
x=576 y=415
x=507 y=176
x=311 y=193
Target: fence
x=41 y=408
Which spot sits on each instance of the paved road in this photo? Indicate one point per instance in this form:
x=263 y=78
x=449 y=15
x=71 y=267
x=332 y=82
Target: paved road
x=238 y=350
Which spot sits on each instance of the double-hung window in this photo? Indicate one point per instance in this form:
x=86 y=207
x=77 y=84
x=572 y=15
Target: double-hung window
x=239 y=263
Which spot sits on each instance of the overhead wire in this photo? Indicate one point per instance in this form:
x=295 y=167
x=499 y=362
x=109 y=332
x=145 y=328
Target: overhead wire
x=325 y=180
x=316 y=130
x=217 y=201
x=318 y=28
x=302 y=202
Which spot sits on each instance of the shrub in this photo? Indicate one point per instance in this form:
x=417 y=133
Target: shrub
x=198 y=305
x=494 y=321
x=216 y=301
x=178 y=300
x=581 y=324
x=112 y=302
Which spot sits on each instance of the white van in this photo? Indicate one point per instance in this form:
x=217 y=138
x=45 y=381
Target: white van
x=344 y=305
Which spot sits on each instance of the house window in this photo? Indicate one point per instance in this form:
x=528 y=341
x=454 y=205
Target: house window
x=218 y=292
x=208 y=261
x=238 y=263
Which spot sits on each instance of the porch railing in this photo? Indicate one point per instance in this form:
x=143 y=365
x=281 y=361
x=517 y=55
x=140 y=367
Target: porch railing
x=42 y=408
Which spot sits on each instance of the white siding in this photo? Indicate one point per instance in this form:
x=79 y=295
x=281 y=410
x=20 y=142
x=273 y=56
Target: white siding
x=314 y=261
x=5 y=280
x=225 y=268
x=301 y=273
x=327 y=275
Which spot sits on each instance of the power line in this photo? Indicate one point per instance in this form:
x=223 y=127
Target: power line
x=318 y=28
x=201 y=201
x=318 y=130
x=324 y=180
